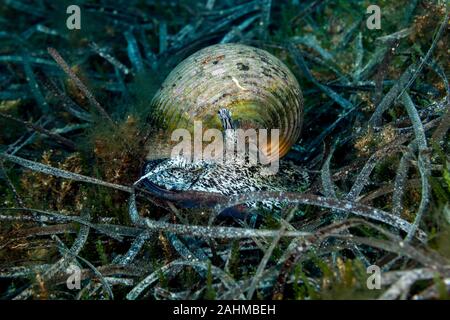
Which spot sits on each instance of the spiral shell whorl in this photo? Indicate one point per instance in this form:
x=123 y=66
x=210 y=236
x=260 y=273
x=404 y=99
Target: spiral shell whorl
x=258 y=89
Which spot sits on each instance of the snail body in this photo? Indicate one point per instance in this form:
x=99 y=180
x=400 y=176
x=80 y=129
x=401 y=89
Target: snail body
x=256 y=90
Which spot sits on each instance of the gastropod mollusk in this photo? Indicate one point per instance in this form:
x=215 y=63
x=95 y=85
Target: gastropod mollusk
x=228 y=86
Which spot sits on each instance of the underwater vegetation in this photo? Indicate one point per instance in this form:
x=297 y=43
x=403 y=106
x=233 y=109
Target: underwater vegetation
x=75 y=131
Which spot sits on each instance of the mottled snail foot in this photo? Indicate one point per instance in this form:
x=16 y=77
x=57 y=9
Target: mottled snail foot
x=206 y=183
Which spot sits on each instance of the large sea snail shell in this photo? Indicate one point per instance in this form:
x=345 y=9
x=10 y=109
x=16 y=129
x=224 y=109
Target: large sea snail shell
x=258 y=89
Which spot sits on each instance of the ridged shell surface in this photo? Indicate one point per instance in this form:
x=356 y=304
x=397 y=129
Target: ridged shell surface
x=258 y=89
